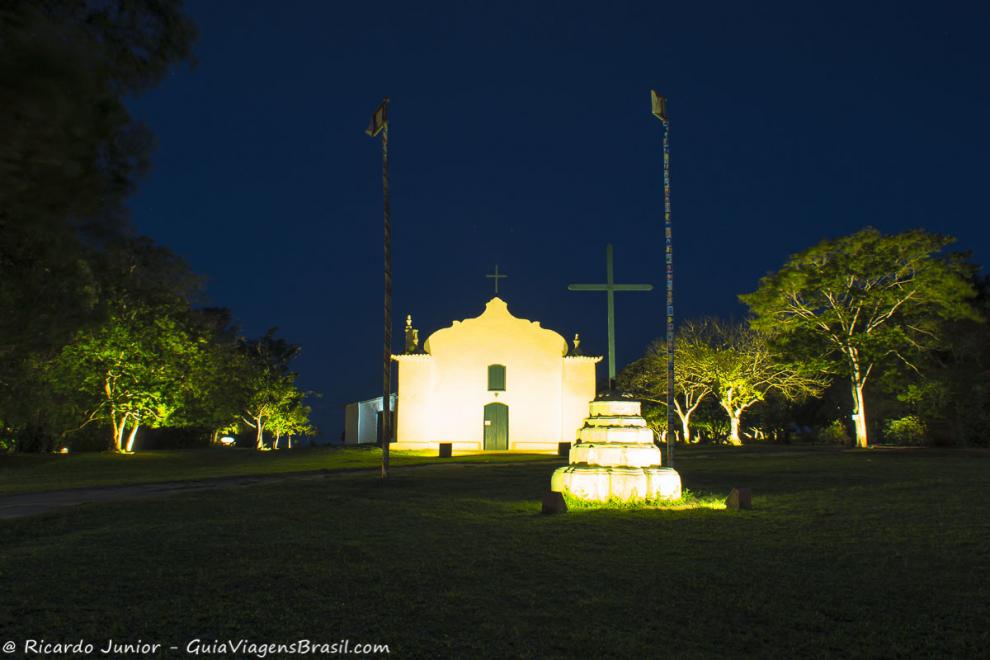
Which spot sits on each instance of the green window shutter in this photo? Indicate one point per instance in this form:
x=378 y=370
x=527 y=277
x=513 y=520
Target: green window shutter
x=496 y=378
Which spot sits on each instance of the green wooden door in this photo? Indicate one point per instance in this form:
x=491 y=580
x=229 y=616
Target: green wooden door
x=496 y=426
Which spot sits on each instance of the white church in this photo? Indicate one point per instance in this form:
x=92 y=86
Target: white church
x=490 y=383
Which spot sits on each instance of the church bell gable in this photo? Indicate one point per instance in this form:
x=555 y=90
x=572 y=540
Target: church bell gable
x=494 y=382
x=496 y=325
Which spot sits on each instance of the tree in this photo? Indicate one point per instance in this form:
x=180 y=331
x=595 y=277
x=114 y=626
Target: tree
x=744 y=371
x=948 y=394
x=40 y=418
x=860 y=300
x=132 y=368
x=272 y=389
x=646 y=378
x=292 y=418
x=69 y=150
x=70 y=153
x=217 y=389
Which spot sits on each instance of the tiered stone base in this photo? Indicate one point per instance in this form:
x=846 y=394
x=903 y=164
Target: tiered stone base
x=598 y=483
x=612 y=453
x=615 y=458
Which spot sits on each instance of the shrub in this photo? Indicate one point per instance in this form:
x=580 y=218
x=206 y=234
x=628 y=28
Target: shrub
x=909 y=430
x=835 y=433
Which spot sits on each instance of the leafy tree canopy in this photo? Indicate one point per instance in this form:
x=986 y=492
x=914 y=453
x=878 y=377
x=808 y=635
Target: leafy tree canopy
x=858 y=300
x=133 y=368
x=745 y=369
x=273 y=394
x=70 y=153
x=647 y=376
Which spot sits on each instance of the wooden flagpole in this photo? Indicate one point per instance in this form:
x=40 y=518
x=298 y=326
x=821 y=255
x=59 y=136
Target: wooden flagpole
x=379 y=124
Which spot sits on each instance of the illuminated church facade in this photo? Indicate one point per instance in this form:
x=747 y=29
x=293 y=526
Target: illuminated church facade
x=492 y=383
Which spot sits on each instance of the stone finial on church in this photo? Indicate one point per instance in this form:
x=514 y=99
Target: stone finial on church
x=412 y=336
x=577 y=345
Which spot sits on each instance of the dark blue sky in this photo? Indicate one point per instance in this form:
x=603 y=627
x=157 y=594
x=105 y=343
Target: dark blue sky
x=521 y=134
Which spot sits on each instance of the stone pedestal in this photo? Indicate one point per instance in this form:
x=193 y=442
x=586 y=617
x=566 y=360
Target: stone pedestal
x=615 y=458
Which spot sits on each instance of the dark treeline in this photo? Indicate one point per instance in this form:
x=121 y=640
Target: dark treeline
x=890 y=325
x=100 y=333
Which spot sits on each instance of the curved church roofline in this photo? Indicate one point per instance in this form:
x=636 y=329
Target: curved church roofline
x=497 y=309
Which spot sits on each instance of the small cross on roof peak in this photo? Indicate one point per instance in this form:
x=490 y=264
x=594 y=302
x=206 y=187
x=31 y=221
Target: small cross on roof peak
x=496 y=276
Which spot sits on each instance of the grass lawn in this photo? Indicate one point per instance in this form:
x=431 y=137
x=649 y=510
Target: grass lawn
x=22 y=473
x=846 y=553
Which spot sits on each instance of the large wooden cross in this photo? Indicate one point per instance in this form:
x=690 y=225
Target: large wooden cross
x=610 y=287
x=496 y=276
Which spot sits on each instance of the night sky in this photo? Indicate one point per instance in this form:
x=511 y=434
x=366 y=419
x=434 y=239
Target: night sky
x=521 y=135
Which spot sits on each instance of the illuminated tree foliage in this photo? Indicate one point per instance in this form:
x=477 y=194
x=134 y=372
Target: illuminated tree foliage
x=858 y=301
x=134 y=365
x=646 y=378
x=70 y=153
x=134 y=368
x=290 y=419
x=274 y=398
x=156 y=362
x=744 y=370
x=98 y=327
x=217 y=389
x=729 y=362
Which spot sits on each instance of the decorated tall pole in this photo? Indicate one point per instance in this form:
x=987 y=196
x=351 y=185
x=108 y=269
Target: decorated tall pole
x=659 y=104
x=379 y=124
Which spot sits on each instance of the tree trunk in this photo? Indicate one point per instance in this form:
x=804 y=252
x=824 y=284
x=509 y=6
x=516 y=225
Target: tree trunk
x=859 y=405
x=259 y=442
x=130 y=438
x=686 y=427
x=734 y=438
x=118 y=432
x=859 y=414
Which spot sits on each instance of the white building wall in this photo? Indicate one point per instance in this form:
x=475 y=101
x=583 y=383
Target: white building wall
x=442 y=395
x=361 y=420
x=578 y=392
